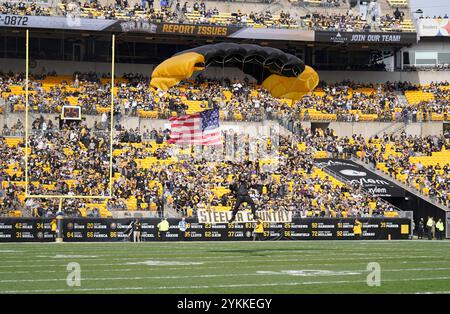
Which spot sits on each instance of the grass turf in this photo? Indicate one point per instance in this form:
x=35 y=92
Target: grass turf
x=227 y=267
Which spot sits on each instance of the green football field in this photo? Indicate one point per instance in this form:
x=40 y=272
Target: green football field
x=227 y=267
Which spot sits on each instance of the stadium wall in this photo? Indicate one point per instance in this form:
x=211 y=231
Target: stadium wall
x=368 y=129
x=68 y=67
x=113 y=230
x=419 y=77
x=257 y=128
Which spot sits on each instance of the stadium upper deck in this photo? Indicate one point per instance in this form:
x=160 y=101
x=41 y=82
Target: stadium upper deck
x=329 y=16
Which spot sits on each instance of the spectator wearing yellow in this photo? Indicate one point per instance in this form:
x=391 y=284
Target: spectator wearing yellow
x=258 y=232
x=357 y=229
x=53 y=225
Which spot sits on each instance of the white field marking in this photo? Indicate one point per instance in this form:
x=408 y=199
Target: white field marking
x=309 y=272
x=338 y=252
x=303 y=273
x=164 y=263
x=430 y=292
x=218 y=267
x=242 y=260
x=275 y=284
x=11 y=251
x=63 y=256
x=65 y=271
x=131 y=278
x=198 y=254
x=286 y=243
x=131 y=247
x=87 y=259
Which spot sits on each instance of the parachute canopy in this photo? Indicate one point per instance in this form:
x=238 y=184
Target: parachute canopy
x=282 y=74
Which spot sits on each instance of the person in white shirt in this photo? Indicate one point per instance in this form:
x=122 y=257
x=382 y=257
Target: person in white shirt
x=104 y=120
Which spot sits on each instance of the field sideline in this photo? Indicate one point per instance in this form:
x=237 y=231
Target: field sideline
x=227 y=267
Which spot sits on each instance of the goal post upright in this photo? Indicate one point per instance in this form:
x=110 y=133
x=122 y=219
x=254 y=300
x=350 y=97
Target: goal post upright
x=26 y=110
x=113 y=50
x=28 y=148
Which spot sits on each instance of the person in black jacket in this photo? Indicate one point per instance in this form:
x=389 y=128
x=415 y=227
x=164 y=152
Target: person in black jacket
x=241 y=191
x=137 y=226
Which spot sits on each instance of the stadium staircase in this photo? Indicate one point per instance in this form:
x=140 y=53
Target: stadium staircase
x=393 y=128
x=171 y=212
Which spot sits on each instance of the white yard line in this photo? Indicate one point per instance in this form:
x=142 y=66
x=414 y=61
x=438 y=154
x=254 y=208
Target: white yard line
x=201 y=267
x=275 y=284
x=194 y=251
x=344 y=273
x=65 y=271
x=242 y=259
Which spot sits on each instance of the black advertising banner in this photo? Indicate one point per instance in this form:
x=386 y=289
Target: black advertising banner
x=365 y=37
x=357 y=174
x=91 y=229
x=26 y=230
x=143 y=26
x=200 y=30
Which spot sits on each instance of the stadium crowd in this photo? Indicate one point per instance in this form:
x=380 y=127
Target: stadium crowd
x=236 y=99
x=199 y=12
x=400 y=156
x=151 y=174
x=70 y=160
x=147 y=176
x=23 y=8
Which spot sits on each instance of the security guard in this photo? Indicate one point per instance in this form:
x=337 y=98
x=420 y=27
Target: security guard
x=163 y=227
x=182 y=226
x=258 y=232
x=440 y=229
x=357 y=229
x=420 y=230
x=430 y=227
x=137 y=226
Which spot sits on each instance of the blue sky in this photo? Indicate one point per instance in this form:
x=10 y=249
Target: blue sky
x=431 y=7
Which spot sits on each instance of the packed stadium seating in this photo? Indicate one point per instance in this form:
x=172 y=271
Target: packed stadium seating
x=149 y=176
x=422 y=163
x=241 y=101
x=200 y=12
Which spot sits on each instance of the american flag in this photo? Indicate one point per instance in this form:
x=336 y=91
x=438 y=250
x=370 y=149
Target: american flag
x=196 y=129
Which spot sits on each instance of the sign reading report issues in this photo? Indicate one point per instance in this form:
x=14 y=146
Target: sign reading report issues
x=357 y=174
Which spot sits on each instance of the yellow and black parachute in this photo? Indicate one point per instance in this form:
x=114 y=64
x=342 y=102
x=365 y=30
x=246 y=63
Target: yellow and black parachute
x=282 y=74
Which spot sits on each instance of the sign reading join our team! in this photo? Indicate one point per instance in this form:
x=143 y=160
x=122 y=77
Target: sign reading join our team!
x=365 y=37
x=359 y=175
x=207 y=216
